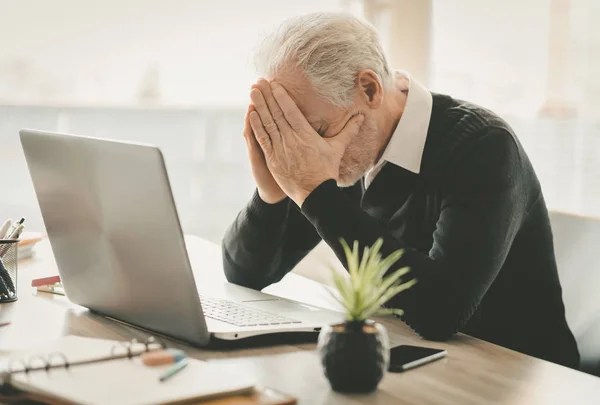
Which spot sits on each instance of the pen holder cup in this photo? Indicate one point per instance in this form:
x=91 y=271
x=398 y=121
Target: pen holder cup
x=8 y=270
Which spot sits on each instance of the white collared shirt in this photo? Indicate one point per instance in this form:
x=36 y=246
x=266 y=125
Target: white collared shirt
x=405 y=148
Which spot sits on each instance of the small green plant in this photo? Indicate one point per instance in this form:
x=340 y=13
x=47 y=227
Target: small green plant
x=369 y=288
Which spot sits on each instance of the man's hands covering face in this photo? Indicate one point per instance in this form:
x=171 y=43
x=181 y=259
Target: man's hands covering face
x=268 y=189
x=296 y=156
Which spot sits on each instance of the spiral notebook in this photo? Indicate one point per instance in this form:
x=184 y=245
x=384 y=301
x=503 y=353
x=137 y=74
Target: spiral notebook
x=76 y=370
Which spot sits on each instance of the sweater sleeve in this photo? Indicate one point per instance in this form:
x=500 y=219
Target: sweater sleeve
x=265 y=242
x=481 y=212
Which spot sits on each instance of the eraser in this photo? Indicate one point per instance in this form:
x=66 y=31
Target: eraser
x=161 y=357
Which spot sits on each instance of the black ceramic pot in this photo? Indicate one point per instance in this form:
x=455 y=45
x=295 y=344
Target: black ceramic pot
x=355 y=355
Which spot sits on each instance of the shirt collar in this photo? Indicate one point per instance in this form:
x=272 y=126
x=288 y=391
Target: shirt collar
x=405 y=148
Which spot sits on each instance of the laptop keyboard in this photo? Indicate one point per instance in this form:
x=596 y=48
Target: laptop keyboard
x=239 y=315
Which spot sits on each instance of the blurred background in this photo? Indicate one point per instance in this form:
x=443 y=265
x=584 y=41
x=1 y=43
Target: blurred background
x=176 y=73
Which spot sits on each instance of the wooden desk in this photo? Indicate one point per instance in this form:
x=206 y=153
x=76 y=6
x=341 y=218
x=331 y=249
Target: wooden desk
x=475 y=372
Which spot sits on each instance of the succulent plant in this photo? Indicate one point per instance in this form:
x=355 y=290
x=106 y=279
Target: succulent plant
x=369 y=287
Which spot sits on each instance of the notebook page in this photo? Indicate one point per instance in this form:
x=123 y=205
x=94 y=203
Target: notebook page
x=129 y=382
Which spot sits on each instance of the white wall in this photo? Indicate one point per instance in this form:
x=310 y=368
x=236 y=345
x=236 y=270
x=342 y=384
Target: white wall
x=126 y=52
x=492 y=53
x=495 y=53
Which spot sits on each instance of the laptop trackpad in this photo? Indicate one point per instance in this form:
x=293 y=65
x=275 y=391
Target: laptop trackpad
x=276 y=306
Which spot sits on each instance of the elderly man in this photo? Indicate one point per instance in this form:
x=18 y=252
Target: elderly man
x=342 y=146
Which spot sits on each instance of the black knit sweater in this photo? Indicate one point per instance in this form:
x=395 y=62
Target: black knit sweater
x=473 y=224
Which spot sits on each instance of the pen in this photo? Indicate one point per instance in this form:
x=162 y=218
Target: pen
x=177 y=367
x=15 y=229
x=7 y=288
x=19 y=231
x=5 y=227
x=13 y=234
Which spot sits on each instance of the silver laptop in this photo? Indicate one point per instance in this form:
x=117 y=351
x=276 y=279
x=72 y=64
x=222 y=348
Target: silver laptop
x=115 y=233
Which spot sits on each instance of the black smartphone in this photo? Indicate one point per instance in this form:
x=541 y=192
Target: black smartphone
x=405 y=357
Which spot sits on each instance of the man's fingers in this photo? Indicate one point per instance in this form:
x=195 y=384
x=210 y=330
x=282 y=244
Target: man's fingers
x=254 y=150
x=247 y=132
x=265 y=87
x=260 y=105
x=341 y=141
x=290 y=110
x=262 y=137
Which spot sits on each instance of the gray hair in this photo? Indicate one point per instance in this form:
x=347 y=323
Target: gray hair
x=330 y=49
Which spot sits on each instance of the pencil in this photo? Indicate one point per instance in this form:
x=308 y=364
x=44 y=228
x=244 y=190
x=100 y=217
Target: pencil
x=176 y=368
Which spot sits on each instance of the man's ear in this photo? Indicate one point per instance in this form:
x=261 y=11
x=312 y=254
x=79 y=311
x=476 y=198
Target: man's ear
x=370 y=88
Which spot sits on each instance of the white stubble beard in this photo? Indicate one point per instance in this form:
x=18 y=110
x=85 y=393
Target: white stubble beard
x=360 y=155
